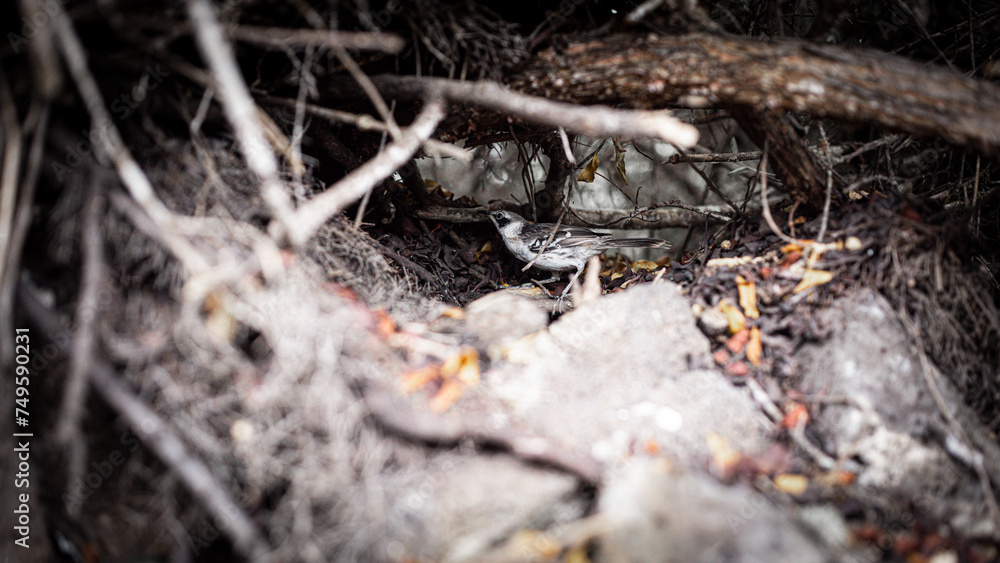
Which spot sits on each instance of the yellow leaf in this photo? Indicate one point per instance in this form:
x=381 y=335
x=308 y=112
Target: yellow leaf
x=737 y=321
x=754 y=349
x=456 y=313
x=463 y=366
x=486 y=248
x=587 y=174
x=419 y=377
x=446 y=396
x=791 y=483
x=813 y=278
x=748 y=296
x=644 y=265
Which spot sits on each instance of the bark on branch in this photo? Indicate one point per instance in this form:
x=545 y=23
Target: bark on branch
x=699 y=70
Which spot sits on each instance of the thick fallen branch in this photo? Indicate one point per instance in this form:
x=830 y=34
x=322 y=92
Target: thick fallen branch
x=699 y=71
x=670 y=215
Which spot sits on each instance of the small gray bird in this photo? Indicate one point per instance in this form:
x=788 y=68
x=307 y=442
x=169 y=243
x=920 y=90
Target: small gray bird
x=569 y=249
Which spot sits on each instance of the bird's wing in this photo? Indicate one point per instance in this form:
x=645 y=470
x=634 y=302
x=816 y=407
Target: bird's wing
x=565 y=236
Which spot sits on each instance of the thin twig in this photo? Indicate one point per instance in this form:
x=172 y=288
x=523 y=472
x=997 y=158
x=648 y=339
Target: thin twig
x=162 y=441
x=68 y=432
x=239 y=107
x=313 y=214
x=366 y=123
x=765 y=207
x=110 y=143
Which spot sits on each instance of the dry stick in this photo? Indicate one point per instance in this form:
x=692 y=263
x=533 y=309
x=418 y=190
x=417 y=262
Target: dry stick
x=366 y=122
x=976 y=457
x=68 y=434
x=318 y=210
x=239 y=107
x=370 y=90
x=681 y=157
x=765 y=207
x=284 y=38
x=11 y=167
x=711 y=185
x=109 y=142
x=548 y=241
x=594 y=121
x=160 y=439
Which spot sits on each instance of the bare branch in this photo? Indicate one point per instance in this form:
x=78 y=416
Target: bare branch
x=161 y=440
x=239 y=107
x=312 y=215
x=595 y=121
x=283 y=38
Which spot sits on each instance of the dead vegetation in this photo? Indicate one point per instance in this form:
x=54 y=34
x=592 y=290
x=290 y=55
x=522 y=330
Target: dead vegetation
x=201 y=220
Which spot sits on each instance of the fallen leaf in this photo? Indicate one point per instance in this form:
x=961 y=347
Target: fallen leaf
x=463 y=366
x=721 y=357
x=483 y=250
x=420 y=377
x=738 y=369
x=736 y=342
x=724 y=458
x=791 y=483
x=748 y=296
x=446 y=396
x=754 y=348
x=588 y=172
x=813 y=278
x=456 y=313
x=735 y=317
x=795 y=414
x=644 y=265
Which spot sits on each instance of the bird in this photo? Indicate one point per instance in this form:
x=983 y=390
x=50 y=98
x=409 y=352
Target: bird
x=569 y=248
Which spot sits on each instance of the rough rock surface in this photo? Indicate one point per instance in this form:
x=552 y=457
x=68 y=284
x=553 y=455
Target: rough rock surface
x=890 y=420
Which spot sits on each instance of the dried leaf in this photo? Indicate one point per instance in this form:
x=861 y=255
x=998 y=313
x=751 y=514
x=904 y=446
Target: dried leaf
x=488 y=247
x=754 y=348
x=737 y=321
x=736 y=342
x=446 y=396
x=420 y=377
x=791 y=483
x=587 y=174
x=724 y=458
x=738 y=369
x=644 y=265
x=795 y=414
x=748 y=297
x=463 y=366
x=813 y=278
x=456 y=313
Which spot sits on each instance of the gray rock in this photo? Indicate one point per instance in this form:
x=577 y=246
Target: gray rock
x=890 y=421
x=650 y=514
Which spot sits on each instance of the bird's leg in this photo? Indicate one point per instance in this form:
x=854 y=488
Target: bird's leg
x=570 y=284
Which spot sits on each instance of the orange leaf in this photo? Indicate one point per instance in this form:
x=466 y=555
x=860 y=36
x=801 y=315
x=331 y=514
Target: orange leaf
x=738 y=369
x=754 y=348
x=419 y=377
x=795 y=414
x=813 y=278
x=721 y=356
x=463 y=366
x=748 y=296
x=446 y=396
x=737 y=341
x=736 y=319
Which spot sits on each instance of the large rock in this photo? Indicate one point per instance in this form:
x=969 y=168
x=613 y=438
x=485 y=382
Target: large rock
x=882 y=412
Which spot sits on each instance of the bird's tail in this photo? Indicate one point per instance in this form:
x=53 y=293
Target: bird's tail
x=636 y=243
